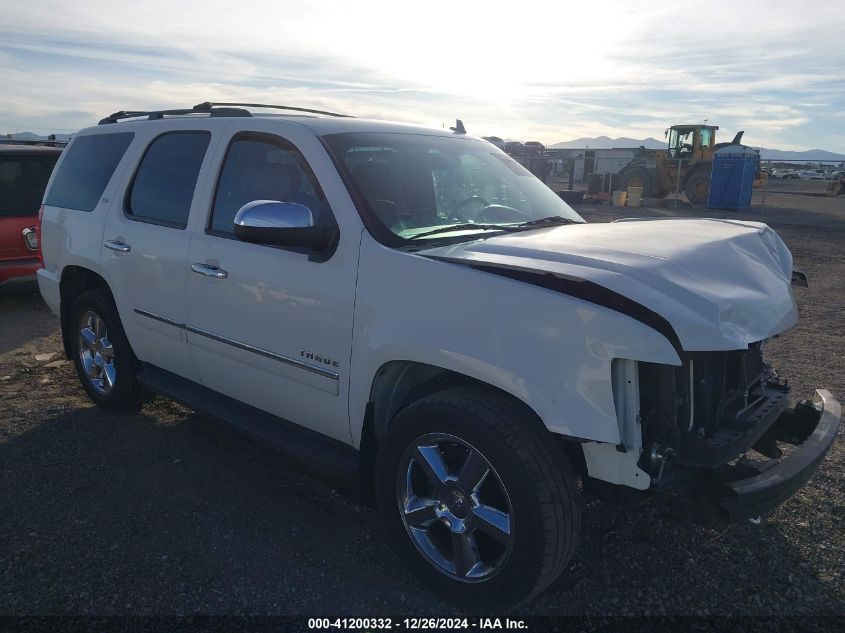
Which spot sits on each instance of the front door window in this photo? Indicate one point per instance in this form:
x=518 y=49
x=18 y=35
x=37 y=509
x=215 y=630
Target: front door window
x=264 y=168
x=681 y=142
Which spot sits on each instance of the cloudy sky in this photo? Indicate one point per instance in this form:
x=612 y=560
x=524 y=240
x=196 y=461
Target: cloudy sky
x=520 y=69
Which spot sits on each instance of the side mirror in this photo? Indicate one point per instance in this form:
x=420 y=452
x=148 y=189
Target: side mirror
x=281 y=224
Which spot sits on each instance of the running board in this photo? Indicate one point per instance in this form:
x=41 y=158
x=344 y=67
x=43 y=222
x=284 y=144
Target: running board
x=303 y=445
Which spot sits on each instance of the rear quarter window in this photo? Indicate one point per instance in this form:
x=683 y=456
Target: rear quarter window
x=86 y=169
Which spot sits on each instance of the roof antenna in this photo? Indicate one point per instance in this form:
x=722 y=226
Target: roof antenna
x=459 y=127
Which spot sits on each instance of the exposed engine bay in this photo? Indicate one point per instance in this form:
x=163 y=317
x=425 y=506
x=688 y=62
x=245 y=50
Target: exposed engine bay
x=711 y=409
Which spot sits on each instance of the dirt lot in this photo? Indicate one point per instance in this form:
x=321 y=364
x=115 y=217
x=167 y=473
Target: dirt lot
x=167 y=512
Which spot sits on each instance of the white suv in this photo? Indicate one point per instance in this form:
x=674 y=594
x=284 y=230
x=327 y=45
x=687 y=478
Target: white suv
x=413 y=307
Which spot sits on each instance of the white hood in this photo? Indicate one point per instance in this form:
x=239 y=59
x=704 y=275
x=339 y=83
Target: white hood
x=721 y=284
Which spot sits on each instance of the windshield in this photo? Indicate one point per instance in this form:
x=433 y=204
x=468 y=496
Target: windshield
x=415 y=184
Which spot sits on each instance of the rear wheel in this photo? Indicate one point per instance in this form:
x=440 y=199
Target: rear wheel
x=697 y=186
x=477 y=498
x=104 y=360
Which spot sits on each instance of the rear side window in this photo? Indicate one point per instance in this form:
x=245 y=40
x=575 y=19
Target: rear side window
x=23 y=179
x=86 y=169
x=164 y=184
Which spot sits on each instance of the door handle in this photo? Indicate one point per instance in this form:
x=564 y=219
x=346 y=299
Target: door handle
x=209 y=271
x=117 y=245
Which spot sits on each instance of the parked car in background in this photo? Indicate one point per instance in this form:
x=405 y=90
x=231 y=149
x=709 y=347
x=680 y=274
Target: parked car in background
x=25 y=168
x=785 y=174
x=811 y=175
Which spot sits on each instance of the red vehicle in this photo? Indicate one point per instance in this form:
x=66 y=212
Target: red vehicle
x=25 y=168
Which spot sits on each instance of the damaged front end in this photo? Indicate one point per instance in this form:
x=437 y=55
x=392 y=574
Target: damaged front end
x=719 y=424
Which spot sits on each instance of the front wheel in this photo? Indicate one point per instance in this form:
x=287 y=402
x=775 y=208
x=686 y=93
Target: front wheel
x=478 y=498
x=697 y=186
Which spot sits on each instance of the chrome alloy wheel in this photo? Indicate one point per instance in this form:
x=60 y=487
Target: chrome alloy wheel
x=454 y=507
x=96 y=353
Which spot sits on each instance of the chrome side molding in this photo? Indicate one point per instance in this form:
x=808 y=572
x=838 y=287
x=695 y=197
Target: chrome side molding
x=326 y=373
x=293 y=362
x=157 y=317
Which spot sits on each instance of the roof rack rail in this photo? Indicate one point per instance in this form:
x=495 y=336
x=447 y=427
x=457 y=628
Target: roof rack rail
x=208 y=105
x=160 y=114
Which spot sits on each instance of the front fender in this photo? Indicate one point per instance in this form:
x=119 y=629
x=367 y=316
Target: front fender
x=551 y=351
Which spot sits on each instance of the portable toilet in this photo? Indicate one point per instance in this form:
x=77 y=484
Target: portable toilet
x=732 y=177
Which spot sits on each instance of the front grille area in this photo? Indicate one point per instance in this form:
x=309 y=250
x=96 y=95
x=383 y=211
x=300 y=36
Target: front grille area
x=698 y=414
x=725 y=384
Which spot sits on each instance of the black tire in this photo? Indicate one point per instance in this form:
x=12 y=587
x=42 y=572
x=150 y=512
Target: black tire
x=697 y=186
x=123 y=392
x=635 y=177
x=540 y=489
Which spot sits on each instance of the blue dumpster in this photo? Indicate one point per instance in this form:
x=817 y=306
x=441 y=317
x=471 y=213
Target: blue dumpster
x=732 y=177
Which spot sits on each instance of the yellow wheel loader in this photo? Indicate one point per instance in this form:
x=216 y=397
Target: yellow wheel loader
x=685 y=165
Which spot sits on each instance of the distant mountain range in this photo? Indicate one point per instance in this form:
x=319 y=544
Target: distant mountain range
x=30 y=136
x=605 y=142
x=820 y=155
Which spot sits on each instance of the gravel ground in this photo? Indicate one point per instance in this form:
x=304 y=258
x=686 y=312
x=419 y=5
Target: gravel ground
x=165 y=512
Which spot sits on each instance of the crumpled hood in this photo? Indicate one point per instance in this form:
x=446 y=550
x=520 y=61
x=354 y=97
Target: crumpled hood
x=721 y=284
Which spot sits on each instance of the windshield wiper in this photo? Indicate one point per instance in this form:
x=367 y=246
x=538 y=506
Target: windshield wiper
x=551 y=220
x=465 y=227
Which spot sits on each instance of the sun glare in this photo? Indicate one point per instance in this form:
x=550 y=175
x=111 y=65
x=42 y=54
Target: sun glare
x=495 y=52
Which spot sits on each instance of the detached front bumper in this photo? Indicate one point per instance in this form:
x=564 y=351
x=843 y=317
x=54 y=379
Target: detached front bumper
x=749 y=489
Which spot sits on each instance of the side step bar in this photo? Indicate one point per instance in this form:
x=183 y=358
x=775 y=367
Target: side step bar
x=328 y=455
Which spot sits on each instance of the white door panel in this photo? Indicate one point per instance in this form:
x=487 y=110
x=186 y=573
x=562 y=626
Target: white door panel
x=276 y=331
x=148 y=280
x=267 y=313
x=148 y=284
x=256 y=335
